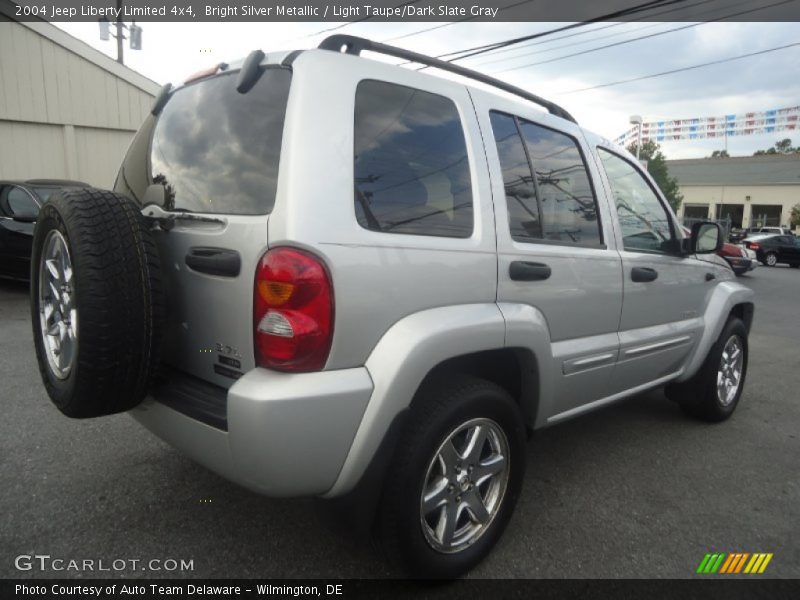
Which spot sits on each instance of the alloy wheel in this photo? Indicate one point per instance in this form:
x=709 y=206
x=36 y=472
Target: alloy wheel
x=58 y=315
x=729 y=375
x=465 y=484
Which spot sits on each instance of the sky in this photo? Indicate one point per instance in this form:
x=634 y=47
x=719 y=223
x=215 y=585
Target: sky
x=173 y=51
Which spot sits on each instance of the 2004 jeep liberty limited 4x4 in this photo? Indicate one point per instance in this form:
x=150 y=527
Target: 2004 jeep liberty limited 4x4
x=325 y=275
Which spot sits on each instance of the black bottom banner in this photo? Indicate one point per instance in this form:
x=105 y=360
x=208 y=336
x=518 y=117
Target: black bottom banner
x=483 y=589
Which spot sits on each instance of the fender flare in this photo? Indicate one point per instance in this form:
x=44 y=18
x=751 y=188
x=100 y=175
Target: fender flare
x=411 y=348
x=724 y=298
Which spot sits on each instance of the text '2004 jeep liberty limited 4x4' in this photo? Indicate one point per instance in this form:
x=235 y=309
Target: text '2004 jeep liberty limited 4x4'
x=325 y=275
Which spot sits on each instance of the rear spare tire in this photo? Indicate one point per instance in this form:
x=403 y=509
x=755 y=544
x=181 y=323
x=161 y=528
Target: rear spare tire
x=97 y=302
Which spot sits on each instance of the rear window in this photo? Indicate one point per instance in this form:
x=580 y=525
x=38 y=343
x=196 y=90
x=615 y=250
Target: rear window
x=411 y=168
x=216 y=150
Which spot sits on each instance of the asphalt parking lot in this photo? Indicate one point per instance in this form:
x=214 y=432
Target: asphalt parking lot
x=635 y=490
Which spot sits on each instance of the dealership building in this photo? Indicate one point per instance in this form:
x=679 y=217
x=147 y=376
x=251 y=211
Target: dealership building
x=749 y=190
x=67 y=111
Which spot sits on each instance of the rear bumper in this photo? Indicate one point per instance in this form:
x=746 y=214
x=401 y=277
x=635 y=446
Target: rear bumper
x=287 y=434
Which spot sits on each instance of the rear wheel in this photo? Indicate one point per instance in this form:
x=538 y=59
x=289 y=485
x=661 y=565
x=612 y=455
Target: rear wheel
x=770 y=259
x=96 y=302
x=455 y=479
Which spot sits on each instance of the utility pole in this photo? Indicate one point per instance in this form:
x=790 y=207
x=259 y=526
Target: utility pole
x=134 y=33
x=637 y=120
x=119 y=32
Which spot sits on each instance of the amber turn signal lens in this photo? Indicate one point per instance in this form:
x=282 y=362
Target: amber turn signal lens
x=275 y=293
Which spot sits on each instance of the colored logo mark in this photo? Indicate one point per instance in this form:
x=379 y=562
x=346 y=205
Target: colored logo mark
x=735 y=562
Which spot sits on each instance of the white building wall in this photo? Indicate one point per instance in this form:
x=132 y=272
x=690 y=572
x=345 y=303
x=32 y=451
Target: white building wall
x=784 y=195
x=66 y=110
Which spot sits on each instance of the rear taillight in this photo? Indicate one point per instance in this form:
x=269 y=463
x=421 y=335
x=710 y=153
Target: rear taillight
x=292 y=311
x=753 y=246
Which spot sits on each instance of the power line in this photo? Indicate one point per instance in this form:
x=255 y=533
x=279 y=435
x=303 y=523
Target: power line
x=580 y=33
x=427 y=29
x=708 y=64
x=343 y=25
x=475 y=50
x=596 y=39
x=643 y=37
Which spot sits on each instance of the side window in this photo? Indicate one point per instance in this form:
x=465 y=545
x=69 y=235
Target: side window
x=411 y=169
x=645 y=223
x=569 y=210
x=20 y=203
x=558 y=204
x=523 y=207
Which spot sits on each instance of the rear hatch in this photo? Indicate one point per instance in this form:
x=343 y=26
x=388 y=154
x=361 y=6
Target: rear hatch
x=207 y=167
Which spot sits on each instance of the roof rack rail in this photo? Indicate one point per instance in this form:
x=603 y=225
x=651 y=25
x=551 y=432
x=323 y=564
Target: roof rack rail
x=349 y=44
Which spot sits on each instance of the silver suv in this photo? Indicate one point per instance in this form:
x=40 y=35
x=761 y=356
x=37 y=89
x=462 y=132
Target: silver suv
x=323 y=275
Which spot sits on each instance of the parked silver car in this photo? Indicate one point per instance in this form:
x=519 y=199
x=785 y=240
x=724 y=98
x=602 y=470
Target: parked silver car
x=322 y=275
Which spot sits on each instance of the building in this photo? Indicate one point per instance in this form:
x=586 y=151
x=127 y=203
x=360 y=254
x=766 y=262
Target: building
x=67 y=111
x=749 y=190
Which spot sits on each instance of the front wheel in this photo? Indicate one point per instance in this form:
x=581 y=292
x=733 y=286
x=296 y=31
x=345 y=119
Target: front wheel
x=455 y=478
x=714 y=392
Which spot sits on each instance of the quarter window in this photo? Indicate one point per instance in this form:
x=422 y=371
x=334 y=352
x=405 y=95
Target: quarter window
x=548 y=190
x=411 y=168
x=644 y=221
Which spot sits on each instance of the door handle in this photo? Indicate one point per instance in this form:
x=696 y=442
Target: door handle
x=214 y=261
x=643 y=274
x=528 y=271
x=710 y=277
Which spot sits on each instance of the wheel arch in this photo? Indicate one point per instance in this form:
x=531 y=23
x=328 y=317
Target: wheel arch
x=438 y=340
x=515 y=370
x=729 y=298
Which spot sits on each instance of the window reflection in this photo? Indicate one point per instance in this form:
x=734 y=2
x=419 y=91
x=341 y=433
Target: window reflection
x=643 y=219
x=569 y=211
x=411 y=169
x=523 y=208
x=216 y=150
x=559 y=203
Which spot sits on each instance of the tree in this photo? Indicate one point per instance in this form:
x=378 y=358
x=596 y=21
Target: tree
x=720 y=154
x=657 y=167
x=783 y=146
x=794 y=218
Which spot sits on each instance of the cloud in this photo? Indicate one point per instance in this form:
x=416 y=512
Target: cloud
x=172 y=51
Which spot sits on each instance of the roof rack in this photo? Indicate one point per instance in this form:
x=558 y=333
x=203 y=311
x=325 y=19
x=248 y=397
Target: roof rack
x=349 y=44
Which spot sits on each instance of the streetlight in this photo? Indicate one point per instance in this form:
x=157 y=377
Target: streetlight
x=637 y=120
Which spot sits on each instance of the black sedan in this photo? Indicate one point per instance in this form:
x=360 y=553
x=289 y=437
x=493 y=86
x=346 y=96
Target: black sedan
x=19 y=206
x=775 y=249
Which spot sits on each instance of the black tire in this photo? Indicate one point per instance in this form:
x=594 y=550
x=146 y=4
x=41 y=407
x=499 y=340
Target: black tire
x=795 y=265
x=770 y=259
x=117 y=291
x=698 y=397
x=437 y=410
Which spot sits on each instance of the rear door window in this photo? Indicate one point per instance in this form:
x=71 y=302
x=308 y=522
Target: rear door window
x=548 y=191
x=411 y=167
x=218 y=151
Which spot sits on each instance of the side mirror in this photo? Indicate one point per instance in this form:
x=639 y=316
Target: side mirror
x=706 y=238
